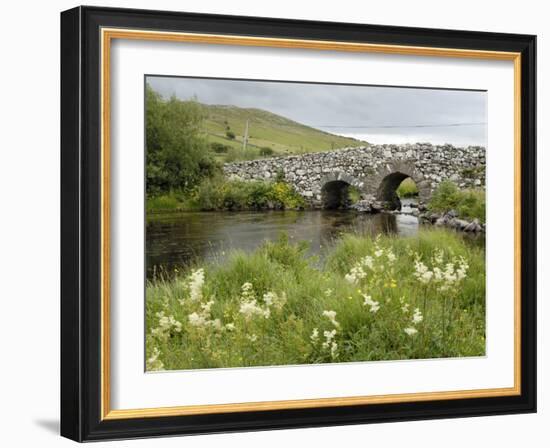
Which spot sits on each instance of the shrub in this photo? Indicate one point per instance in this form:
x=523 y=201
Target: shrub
x=230 y=135
x=468 y=204
x=266 y=151
x=219 y=148
x=221 y=194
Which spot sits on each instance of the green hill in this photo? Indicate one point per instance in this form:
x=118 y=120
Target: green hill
x=269 y=135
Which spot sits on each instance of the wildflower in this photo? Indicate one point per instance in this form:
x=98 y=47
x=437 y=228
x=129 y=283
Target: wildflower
x=275 y=300
x=367 y=261
x=167 y=325
x=328 y=292
x=374 y=305
x=314 y=335
x=422 y=273
x=391 y=256
x=196 y=282
x=356 y=273
x=251 y=308
x=331 y=315
x=411 y=331
x=333 y=350
x=329 y=336
x=197 y=320
x=378 y=253
x=230 y=326
x=252 y=337
x=153 y=362
x=417 y=316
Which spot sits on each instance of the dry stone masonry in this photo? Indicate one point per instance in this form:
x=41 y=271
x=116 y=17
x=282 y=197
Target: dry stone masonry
x=323 y=178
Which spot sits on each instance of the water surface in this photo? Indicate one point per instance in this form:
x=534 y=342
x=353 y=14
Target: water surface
x=182 y=239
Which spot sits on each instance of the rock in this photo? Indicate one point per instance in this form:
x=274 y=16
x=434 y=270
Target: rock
x=458 y=224
x=452 y=213
x=474 y=226
x=363 y=206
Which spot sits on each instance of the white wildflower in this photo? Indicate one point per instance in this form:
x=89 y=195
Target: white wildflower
x=391 y=256
x=197 y=320
x=167 y=325
x=329 y=336
x=153 y=362
x=331 y=315
x=368 y=262
x=328 y=292
x=252 y=337
x=422 y=273
x=411 y=331
x=356 y=273
x=373 y=304
x=196 y=282
x=251 y=308
x=314 y=335
x=230 y=326
x=378 y=253
x=417 y=316
x=333 y=350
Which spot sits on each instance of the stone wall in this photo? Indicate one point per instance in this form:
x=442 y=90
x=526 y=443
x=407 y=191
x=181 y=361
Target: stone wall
x=376 y=170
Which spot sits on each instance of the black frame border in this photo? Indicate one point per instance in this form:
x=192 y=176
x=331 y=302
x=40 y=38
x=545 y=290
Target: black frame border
x=81 y=223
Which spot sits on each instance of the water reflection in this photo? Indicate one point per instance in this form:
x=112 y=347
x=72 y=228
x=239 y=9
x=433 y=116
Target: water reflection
x=194 y=237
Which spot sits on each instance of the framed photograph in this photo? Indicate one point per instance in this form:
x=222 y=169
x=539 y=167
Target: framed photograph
x=272 y=223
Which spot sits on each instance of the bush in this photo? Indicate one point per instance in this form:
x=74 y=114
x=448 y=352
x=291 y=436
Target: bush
x=230 y=135
x=221 y=194
x=266 y=151
x=219 y=148
x=468 y=204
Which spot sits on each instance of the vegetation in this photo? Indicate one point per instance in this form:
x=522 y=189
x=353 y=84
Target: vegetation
x=469 y=204
x=354 y=195
x=219 y=194
x=407 y=189
x=177 y=153
x=373 y=299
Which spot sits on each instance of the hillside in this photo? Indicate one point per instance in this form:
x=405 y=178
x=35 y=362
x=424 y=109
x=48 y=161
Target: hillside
x=278 y=134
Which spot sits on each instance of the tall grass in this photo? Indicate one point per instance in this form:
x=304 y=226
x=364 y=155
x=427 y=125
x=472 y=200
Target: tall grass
x=372 y=299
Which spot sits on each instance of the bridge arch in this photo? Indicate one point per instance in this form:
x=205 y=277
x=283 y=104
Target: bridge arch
x=335 y=189
x=391 y=177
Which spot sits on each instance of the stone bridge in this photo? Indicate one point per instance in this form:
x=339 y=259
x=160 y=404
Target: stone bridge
x=324 y=178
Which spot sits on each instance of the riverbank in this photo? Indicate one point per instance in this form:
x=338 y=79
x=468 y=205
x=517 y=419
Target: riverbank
x=381 y=298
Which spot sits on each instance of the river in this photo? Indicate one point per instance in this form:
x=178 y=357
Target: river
x=181 y=239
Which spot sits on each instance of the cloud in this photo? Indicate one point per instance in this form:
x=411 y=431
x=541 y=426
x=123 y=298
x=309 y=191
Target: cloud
x=373 y=113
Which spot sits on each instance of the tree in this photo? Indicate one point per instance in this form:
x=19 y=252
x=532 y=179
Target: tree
x=177 y=155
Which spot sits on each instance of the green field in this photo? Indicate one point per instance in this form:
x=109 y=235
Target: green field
x=266 y=130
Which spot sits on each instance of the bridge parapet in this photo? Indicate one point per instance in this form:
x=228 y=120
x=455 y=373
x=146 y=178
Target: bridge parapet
x=376 y=170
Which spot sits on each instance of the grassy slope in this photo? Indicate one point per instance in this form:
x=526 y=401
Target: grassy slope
x=266 y=129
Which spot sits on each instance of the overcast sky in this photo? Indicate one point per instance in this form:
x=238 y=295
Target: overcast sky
x=375 y=114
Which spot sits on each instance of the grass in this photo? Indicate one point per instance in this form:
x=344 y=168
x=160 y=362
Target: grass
x=407 y=188
x=372 y=299
x=469 y=204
